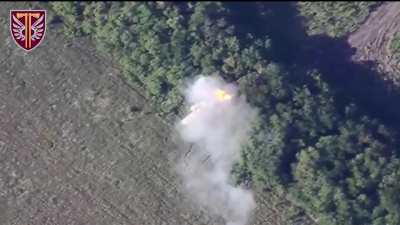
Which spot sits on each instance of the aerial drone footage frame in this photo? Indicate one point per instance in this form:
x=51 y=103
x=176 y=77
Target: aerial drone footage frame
x=231 y=113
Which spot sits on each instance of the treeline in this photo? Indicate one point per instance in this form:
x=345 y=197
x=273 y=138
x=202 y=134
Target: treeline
x=339 y=164
x=161 y=44
x=335 y=19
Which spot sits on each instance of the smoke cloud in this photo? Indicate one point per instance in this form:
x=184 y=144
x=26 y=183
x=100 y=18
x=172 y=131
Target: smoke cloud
x=216 y=129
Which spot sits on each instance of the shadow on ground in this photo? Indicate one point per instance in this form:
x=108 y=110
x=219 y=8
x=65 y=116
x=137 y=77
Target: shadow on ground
x=360 y=83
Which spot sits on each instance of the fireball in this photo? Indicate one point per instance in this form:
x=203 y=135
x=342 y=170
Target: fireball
x=220 y=95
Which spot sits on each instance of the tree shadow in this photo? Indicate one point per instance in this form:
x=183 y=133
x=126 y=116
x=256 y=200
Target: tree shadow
x=354 y=82
x=360 y=83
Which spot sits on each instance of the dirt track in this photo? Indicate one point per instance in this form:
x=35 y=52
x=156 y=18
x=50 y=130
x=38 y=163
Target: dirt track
x=372 y=39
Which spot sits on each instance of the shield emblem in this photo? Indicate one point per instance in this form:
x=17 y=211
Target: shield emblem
x=28 y=27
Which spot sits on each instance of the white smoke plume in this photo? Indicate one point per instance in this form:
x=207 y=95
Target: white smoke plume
x=216 y=129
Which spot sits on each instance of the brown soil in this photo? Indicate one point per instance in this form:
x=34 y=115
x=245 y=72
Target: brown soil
x=372 y=39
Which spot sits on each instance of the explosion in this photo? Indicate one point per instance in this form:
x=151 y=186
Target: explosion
x=220 y=96
x=217 y=126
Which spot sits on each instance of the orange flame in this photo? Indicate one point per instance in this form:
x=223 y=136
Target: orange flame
x=222 y=95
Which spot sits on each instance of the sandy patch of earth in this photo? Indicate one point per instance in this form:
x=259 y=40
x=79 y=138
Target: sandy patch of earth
x=373 y=38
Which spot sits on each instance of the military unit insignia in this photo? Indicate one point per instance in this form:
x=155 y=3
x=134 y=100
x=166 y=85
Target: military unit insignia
x=28 y=27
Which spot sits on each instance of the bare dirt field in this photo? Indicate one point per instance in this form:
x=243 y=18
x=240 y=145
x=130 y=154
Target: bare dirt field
x=79 y=146
x=373 y=38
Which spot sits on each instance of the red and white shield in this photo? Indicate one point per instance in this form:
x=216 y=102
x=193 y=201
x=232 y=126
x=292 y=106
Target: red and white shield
x=28 y=27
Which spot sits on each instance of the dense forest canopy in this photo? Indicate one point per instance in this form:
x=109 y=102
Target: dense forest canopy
x=335 y=18
x=335 y=161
